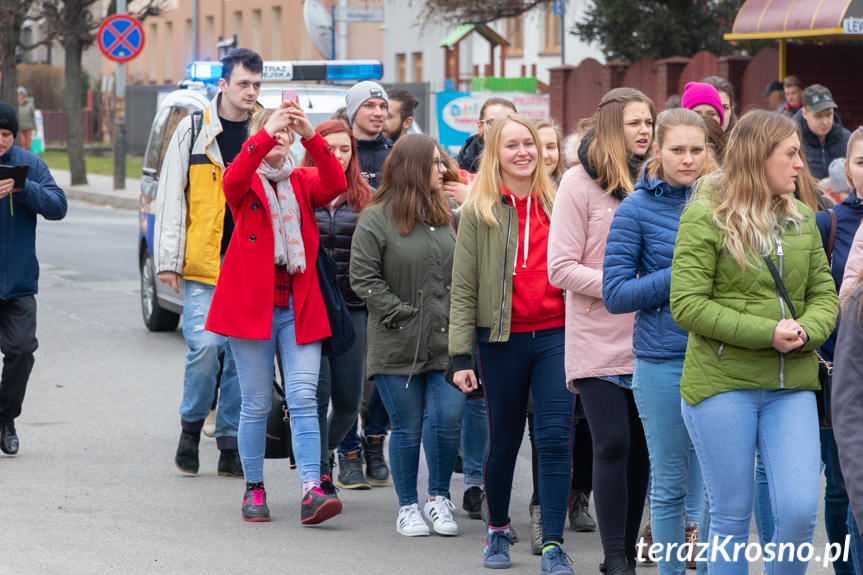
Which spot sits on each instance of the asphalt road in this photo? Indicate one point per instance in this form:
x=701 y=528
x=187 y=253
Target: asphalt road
x=94 y=489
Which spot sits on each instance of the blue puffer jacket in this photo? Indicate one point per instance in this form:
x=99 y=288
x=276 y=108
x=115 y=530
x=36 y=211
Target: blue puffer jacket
x=849 y=215
x=19 y=268
x=637 y=268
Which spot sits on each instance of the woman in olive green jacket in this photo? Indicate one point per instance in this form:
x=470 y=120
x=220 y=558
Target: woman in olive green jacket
x=401 y=267
x=750 y=369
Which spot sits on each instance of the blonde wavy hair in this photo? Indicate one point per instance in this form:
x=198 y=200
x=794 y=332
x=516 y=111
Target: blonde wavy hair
x=607 y=152
x=747 y=212
x=485 y=193
x=673 y=118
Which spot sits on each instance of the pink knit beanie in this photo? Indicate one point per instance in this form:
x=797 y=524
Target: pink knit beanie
x=697 y=93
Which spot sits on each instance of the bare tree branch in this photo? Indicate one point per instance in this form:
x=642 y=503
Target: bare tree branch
x=473 y=12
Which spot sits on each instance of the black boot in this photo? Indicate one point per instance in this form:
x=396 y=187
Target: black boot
x=616 y=563
x=8 y=439
x=376 y=466
x=230 y=464
x=186 y=459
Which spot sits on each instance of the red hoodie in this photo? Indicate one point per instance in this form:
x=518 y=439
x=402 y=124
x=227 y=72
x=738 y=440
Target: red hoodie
x=536 y=305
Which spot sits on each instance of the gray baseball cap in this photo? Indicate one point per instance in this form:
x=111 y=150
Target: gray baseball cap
x=818 y=98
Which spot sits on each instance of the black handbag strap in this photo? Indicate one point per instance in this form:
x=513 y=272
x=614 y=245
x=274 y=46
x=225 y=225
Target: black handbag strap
x=780 y=285
x=832 y=237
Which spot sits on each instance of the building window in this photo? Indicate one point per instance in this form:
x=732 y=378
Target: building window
x=209 y=49
x=418 y=66
x=515 y=36
x=153 y=72
x=238 y=27
x=256 y=31
x=401 y=67
x=552 y=31
x=276 y=33
x=168 y=47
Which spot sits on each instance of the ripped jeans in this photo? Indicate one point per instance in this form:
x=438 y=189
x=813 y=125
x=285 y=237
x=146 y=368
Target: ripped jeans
x=204 y=349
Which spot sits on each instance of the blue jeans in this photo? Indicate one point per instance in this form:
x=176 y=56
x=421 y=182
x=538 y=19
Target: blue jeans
x=528 y=362
x=856 y=543
x=427 y=395
x=656 y=387
x=375 y=421
x=255 y=359
x=474 y=442
x=341 y=380
x=835 y=500
x=203 y=350
x=725 y=429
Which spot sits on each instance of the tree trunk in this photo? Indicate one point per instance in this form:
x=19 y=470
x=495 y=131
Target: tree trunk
x=74 y=112
x=9 y=81
x=11 y=18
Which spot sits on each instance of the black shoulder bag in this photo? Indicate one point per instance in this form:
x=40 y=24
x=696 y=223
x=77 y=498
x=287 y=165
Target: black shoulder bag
x=339 y=316
x=825 y=368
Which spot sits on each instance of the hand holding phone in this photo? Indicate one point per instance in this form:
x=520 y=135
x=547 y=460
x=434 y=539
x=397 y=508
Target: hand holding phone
x=290 y=96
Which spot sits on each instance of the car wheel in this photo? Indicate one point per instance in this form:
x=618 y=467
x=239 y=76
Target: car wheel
x=155 y=318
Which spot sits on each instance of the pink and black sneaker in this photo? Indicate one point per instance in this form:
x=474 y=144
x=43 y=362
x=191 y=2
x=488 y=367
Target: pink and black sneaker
x=318 y=506
x=255 y=505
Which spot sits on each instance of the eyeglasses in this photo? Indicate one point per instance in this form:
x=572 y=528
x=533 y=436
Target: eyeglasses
x=486 y=123
x=441 y=165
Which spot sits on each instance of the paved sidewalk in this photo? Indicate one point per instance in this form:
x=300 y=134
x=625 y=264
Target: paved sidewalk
x=100 y=190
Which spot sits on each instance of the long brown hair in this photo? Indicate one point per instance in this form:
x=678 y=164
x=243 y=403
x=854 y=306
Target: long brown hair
x=747 y=212
x=560 y=168
x=359 y=193
x=405 y=186
x=607 y=152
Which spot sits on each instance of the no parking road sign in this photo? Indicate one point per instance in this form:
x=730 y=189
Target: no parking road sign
x=121 y=38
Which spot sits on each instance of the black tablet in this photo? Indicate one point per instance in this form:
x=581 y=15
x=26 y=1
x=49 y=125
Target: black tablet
x=17 y=173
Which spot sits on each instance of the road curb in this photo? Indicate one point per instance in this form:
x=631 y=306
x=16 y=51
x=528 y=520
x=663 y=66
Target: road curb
x=115 y=200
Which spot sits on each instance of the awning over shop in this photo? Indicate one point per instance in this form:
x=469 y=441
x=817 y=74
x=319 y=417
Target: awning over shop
x=789 y=19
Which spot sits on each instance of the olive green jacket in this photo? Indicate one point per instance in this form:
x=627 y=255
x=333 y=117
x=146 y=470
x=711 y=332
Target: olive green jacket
x=482 y=280
x=405 y=283
x=731 y=314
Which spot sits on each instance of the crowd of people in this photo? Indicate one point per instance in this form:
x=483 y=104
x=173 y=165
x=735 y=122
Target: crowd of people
x=621 y=290
x=655 y=295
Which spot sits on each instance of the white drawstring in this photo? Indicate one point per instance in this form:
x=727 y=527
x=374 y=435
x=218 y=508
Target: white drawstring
x=526 y=236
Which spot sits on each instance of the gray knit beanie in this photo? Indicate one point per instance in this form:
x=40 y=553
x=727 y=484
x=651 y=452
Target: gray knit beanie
x=361 y=92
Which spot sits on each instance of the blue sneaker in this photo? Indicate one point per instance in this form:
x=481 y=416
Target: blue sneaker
x=556 y=562
x=496 y=552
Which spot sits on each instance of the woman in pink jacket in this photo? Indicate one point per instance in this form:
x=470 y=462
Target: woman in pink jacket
x=599 y=359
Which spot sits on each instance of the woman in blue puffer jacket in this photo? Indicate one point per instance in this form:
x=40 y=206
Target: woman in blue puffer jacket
x=637 y=277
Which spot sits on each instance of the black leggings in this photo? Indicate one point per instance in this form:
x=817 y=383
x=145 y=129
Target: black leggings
x=621 y=467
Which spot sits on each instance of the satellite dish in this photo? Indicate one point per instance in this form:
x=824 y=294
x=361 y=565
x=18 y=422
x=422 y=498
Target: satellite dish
x=320 y=27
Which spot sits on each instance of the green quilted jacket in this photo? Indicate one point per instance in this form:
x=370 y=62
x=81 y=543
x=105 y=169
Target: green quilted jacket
x=731 y=314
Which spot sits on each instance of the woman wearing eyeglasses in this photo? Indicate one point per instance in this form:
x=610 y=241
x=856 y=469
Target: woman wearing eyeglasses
x=401 y=267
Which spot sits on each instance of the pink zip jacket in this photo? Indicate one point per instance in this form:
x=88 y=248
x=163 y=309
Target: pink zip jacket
x=598 y=343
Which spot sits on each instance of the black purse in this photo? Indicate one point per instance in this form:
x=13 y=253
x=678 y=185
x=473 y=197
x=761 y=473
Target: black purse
x=342 y=329
x=279 y=445
x=825 y=368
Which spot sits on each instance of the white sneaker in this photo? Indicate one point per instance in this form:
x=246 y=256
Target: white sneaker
x=410 y=522
x=439 y=512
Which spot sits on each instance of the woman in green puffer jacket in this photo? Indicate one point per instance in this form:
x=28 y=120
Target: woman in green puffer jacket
x=750 y=368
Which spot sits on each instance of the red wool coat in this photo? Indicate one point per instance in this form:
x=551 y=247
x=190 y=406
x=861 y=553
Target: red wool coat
x=242 y=304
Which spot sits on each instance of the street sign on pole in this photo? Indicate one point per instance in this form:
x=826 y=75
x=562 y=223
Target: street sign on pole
x=558 y=7
x=358 y=14
x=121 y=38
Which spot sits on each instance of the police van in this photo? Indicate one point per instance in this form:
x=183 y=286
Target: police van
x=160 y=306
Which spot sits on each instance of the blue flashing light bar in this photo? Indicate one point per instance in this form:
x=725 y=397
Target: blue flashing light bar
x=208 y=72
x=357 y=71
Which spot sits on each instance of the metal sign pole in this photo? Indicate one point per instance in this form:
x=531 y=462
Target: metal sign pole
x=120 y=119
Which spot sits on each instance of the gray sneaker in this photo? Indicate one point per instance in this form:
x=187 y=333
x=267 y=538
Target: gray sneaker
x=536 y=525
x=483 y=509
x=580 y=520
x=351 y=471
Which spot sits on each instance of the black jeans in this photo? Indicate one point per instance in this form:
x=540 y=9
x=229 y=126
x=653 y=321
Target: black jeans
x=621 y=467
x=17 y=344
x=528 y=362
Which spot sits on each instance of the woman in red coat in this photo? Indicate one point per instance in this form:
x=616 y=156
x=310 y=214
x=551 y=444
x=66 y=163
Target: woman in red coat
x=268 y=295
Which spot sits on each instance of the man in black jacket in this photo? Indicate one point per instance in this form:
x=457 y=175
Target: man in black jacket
x=824 y=138
x=367 y=106
x=471 y=151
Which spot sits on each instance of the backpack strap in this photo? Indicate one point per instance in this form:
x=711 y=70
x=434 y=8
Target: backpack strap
x=832 y=237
